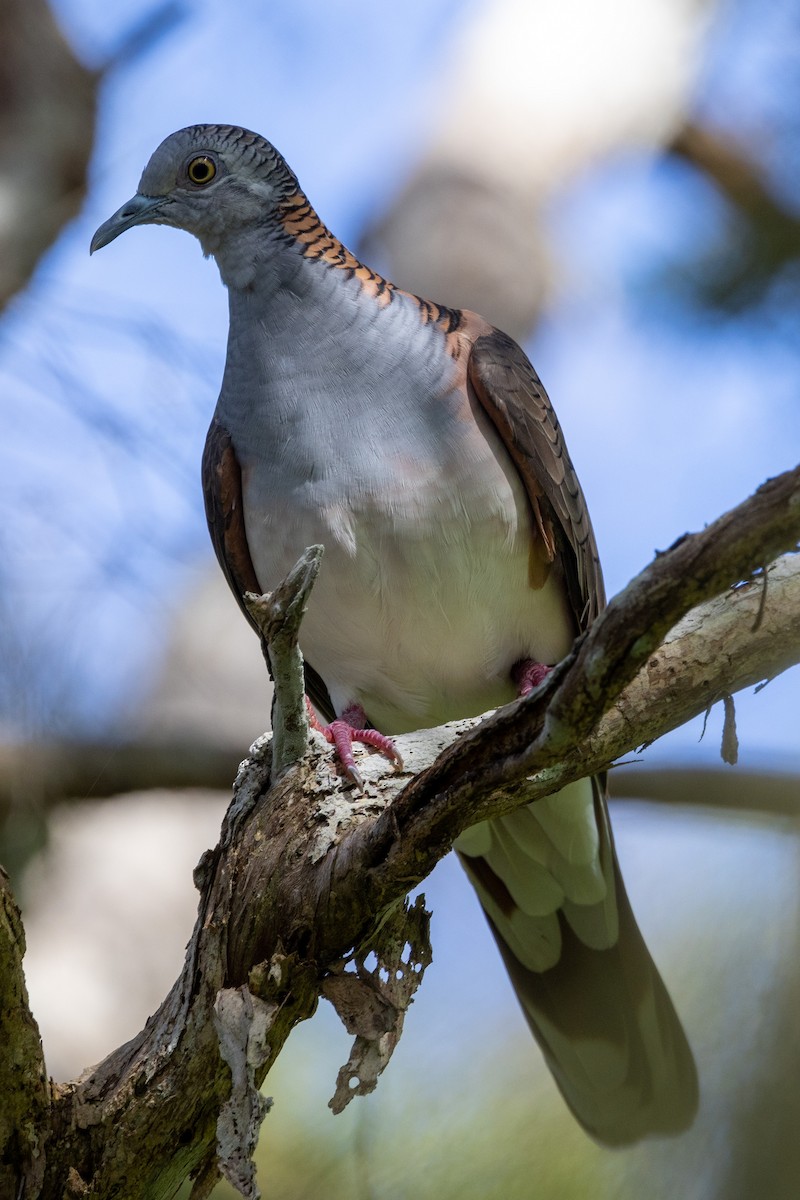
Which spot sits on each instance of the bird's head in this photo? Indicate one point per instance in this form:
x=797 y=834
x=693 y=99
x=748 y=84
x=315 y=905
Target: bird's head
x=212 y=180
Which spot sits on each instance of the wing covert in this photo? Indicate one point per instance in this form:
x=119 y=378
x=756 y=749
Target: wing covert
x=513 y=397
x=222 y=493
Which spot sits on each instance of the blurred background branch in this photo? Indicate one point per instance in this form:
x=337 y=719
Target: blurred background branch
x=762 y=237
x=47 y=120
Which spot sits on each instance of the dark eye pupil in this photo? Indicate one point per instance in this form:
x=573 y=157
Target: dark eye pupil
x=201 y=171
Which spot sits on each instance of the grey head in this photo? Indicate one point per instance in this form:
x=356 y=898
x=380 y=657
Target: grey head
x=212 y=180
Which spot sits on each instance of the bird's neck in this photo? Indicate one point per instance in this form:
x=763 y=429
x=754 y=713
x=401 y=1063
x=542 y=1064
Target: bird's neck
x=294 y=258
x=304 y=314
x=286 y=250
x=305 y=233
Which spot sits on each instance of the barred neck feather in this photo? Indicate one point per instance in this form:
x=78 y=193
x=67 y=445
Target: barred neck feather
x=303 y=228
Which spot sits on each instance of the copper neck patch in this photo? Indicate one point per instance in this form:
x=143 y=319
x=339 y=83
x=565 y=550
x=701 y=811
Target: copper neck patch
x=301 y=224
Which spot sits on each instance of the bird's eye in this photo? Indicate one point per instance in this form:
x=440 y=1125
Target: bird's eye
x=201 y=170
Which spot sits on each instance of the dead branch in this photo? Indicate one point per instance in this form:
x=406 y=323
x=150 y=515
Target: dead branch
x=278 y=618
x=308 y=876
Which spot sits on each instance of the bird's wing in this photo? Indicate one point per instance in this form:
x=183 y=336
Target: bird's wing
x=547 y=875
x=512 y=396
x=222 y=492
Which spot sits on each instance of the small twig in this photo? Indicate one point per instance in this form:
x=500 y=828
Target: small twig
x=278 y=615
x=706 y=715
x=764 y=577
x=730 y=740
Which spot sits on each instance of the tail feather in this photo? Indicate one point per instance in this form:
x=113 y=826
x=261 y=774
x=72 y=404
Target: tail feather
x=589 y=989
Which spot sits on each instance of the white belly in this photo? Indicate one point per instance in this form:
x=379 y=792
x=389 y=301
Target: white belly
x=431 y=632
x=423 y=602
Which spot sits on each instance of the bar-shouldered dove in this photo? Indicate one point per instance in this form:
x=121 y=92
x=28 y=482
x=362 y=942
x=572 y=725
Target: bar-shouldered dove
x=417 y=443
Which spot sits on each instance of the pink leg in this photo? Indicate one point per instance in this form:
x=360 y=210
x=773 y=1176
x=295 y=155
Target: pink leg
x=528 y=674
x=349 y=728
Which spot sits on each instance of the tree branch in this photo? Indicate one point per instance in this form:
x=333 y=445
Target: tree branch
x=278 y=616
x=24 y=1091
x=305 y=872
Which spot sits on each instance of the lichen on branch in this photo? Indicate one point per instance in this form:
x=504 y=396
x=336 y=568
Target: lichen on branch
x=277 y=917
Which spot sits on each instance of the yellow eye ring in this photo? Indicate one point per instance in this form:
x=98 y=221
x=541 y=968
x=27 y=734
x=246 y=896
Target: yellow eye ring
x=201 y=170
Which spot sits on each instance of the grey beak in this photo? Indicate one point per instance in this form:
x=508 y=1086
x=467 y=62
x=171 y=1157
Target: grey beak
x=137 y=211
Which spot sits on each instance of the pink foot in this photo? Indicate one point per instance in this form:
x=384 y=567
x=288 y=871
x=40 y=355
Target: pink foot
x=349 y=728
x=528 y=674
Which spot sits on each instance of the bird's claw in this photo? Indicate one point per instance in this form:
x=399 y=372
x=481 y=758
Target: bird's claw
x=355 y=777
x=349 y=728
x=527 y=674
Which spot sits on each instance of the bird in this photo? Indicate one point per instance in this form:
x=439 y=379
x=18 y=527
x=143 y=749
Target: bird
x=417 y=443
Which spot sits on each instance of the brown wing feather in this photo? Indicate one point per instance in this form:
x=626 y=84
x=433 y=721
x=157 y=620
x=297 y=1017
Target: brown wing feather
x=222 y=492
x=512 y=395
x=601 y=1014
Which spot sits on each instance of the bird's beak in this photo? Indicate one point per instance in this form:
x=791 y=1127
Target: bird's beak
x=137 y=211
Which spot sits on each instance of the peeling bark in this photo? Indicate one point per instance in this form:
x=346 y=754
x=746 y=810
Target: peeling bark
x=372 y=1002
x=242 y=1022
x=306 y=875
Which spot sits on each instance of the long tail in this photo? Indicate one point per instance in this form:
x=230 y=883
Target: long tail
x=548 y=879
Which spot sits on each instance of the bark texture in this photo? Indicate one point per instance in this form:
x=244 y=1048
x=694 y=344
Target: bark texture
x=308 y=877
